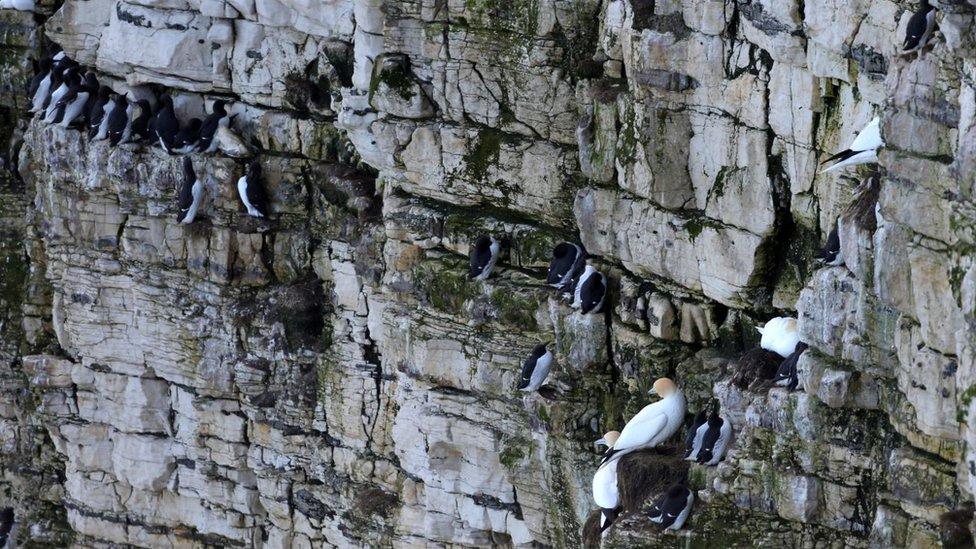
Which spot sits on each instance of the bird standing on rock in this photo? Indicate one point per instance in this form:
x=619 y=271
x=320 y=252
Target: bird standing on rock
x=42 y=77
x=652 y=425
x=567 y=261
x=185 y=141
x=863 y=150
x=715 y=440
x=96 y=114
x=831 y=253
x=119 y=120
x=140 y=122
x=483 y=257
x=694 y=437
x=786 y=375
x=591 y=291
x=166 y=125
x=208 y=128
x=535 y=369
x=72 y=105
x=919 y=29
x=251 y=191
x=70 y=78
x=780 y=335
x=672 y=509
x=191 y=194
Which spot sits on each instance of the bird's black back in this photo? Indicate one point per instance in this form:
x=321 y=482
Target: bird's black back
x=480 y=255
x=692 y=430
x=186 y=188
x=711 y=436
x=165 y=125
x=831 y=248
x=529 y=365
x=43 y=69
x=189 y=134
x=592 y=292
x=564 y=258
x=674 y=502
x=787 y=369
x=916 y=26
x=97 y=111
x=117 y=119
x=140 y=126
x=209 y=126
x=255 y=188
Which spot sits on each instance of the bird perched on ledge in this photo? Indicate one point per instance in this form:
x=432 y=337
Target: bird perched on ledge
x=780 y=335
x=251 y=191
x=591 y=291
x=672 y=509
x=567 y=261
x=919 y=29
x=831 y=253
x=863 y=150
x=535 y=369
x=654 y=424
x=483 y=257
x=191 y=194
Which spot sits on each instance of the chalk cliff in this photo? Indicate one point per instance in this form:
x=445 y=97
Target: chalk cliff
x=329 y=376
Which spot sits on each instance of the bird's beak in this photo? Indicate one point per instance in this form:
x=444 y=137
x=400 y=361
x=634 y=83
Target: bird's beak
x=653 y=391
x=760 y=330
x=602 y=441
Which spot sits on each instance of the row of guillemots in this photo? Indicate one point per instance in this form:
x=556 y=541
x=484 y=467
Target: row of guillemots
x=708 y=435
x=60 y=94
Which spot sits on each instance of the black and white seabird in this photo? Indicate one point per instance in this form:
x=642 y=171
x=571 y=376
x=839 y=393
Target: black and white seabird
x=863 y=150
x=6 y=524
x=831 y=253
x=786 y=375
x=119 y=121
x=607 y=516
x=91 y=84
x=42 y=100
x=535 y=369
x=217 y=118
x=483 y=257
x=251 y=190
x=101 y=131
x=40 y=83
x=591 y=291
x=716 y=439
x=694 y=437
x=96 y=114
x=72 y=105
x=567 y=262
x=185 y=141
x=672 y=509
x=140 y=122
x=70 y=78
x=191 y=194
x=166 y=125
x=919 y=28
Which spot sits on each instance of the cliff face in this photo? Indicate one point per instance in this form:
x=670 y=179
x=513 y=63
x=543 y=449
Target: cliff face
x=330 y=376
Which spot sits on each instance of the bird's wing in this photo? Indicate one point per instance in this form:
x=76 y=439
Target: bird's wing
x=870 y=137
x=641 y=429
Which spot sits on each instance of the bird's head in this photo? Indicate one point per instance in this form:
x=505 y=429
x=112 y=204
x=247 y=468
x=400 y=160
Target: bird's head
x=608 y=439
x=663 y=388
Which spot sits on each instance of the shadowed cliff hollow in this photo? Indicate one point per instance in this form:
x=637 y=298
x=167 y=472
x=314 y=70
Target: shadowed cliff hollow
x=329 y=376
